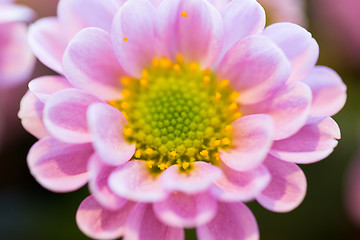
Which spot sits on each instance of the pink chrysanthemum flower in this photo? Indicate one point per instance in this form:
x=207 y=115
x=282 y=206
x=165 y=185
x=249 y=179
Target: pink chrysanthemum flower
x=176 y=112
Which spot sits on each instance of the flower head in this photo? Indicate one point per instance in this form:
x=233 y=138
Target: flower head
x=175 y=119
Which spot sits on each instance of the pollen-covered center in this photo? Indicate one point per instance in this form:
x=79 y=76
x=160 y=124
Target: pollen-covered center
x=177 y=114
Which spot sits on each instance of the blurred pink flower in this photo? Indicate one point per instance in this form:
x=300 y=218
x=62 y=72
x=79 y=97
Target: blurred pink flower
x=174 y=118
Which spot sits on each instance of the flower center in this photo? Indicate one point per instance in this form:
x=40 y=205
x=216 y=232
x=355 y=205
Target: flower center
x=177 y=114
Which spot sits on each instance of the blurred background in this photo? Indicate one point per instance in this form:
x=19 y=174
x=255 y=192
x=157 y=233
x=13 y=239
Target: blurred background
x=28 y=211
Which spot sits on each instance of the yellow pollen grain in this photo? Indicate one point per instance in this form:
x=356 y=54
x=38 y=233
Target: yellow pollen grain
x=125 y=105
x=217 y=156
x=224 y=83
x=217 y=96
x=207 y=71
x=237 y=115
x=233 y=106
x=179 y=58
x=173 y=154
x=165 y=63
x=137 y=153
x=207 y=79
x=228 y=128
x=184 y=14
x=125 y=81
x=125 y=39
x=126 y=93
x=162 y=166
x=127 y=131
x=176 y=68
x=155 y=62
x=194 y=66
x=150 y=163
x=113 y=103
x=149 y=151
x=143 y=82
x=226 y=141
x=185 y=165
x=216 y=143
x=234 y=96
x=204 y=153
x=145 y=74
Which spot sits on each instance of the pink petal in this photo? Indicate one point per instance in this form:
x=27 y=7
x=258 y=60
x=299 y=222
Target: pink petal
x=198 y=37
x=143 y=225
x=247 y=12
x=241 y=186
x=65 y=115
x=183 y=210
x=99 y=174
x=255 y=67
x=289 y=107
x=16 y=59
x=234 y=221
x=133 y=180
x=79 y=14
x=287 y=188
x=97 y=222
x=297 y=44
x=58 y=166
x=135 y=22
x=90 y=64
x=43 y=87
x=219 y=4
x=47 y=40
x=15 y=13
x=106 y=124
x=312 y=143
x=199 y=179
x=31 y=114
x=251 y=141
x=329 y=91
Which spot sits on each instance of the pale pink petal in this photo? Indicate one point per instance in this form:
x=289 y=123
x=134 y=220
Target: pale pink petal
x=106 y=124
x=298 y=45
x=241 y=186
x=287 y=188
x=15 y=13
x=99 y=174
x=247 y=12
x=312 y=143
x=234 y=221
x=133 y=36
x=43 y=87
x=183 y=210
x=133 y=180
x=198 y=37
x=16 y=59
x=31 y=114
x=142 y=224
x=329 y=91
x=65 y=115
x=100 y=223
x=47 y=41
x=289 y=107
x=199 y=179
x=255 y=67
x=251 y=142
x=79 y=14
x=58 y=166
x=90 y=64
x=219 y=4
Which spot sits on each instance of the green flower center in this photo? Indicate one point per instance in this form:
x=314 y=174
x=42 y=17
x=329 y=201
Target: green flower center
x=177 y=114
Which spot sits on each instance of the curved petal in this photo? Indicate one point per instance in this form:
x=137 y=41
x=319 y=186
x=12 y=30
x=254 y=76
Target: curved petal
x=65 y=115
x=143 y=225
x=47 y=41
x=133 y=180
x=329 y=91
x=247 y=12
x=16 y=13
x=58 y=166
x=76 y=15
x=199 y=179
x=43 y=87
x=183 y=210
x=99 y=187
x=255 y=67
x=287 y=188
x=197 y=35
x=241 y=186
x=97 y=222
x=233 y=221
x=289 y=107
x=312 y=143
x=90 y=64
x=16 y=60
x=252 y=139
x=133 y=36
x=297 y=44
x=31 y=115
x=106 y=125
